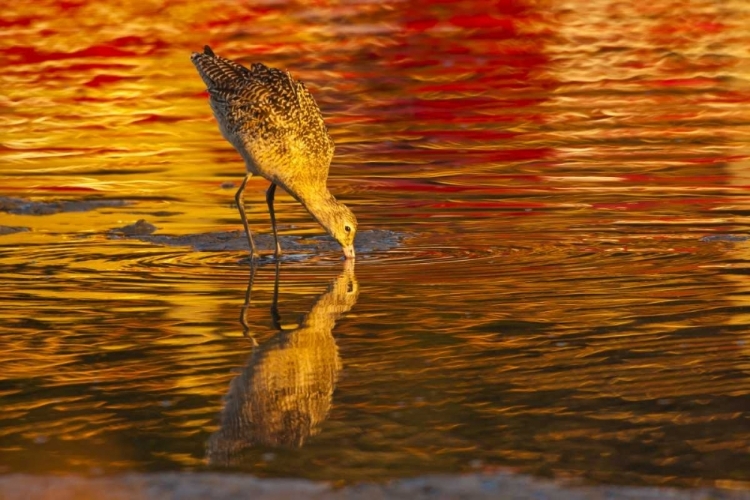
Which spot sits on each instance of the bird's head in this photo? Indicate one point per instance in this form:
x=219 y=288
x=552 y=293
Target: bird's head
x=340 y=223
x=344 y=229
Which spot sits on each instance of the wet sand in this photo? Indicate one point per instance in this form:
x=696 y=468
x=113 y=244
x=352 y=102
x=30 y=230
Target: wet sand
x=367 y=241
x=21 y=206
x=212 y=486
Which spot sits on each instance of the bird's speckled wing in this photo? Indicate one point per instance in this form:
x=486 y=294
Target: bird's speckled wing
x=266 y=112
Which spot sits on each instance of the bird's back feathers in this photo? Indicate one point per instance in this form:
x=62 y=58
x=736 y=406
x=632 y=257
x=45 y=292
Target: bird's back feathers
x=268 y=113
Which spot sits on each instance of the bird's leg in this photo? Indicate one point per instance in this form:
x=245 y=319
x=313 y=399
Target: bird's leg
x=241 y=208
x=269 y=199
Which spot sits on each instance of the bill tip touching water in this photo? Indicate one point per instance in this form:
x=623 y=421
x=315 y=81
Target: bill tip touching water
x=273 y=121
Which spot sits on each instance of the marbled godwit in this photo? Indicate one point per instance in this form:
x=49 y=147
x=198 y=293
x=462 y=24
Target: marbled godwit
x=276 y=126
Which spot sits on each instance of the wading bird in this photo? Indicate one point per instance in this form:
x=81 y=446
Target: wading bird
x=274 y=123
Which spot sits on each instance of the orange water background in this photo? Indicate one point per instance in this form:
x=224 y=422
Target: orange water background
x=552 y=169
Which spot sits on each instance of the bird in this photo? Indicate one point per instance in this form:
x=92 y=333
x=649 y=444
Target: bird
x=274 y=123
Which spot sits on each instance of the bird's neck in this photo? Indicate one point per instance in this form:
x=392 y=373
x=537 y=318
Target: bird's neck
x=322 y=205
x=319 y=199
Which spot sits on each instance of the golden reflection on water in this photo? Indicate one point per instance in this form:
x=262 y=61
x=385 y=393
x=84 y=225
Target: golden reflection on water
x=285 y=389
x=550 y=171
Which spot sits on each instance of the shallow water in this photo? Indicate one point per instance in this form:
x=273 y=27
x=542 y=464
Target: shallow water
x=552 y=266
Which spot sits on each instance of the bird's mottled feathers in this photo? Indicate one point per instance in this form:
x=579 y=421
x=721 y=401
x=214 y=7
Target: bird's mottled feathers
x=270 y=118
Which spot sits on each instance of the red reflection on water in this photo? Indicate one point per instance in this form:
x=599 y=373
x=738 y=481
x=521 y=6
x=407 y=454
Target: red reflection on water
x=110 y=49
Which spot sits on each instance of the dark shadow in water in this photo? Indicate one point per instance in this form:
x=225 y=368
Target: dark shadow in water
x=12 y=230
x=294 y=247
x=21 y=206
x=285 y=389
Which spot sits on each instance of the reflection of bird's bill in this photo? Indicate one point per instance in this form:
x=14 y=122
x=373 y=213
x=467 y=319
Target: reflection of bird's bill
x=349 y=265
x=349 y=252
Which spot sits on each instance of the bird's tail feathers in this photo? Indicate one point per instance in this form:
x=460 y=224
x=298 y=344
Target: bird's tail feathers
x=216 y=71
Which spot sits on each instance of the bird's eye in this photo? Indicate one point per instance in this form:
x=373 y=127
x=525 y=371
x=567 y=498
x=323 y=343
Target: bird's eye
x=348 y=229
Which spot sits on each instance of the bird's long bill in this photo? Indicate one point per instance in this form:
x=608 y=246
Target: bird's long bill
x=349 y=252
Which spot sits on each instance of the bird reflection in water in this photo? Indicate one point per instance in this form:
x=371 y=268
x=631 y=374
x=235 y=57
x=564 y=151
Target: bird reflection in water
x=285 y=389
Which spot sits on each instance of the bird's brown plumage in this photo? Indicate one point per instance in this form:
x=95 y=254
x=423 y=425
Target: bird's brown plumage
x=274 y=122
x=271 y=119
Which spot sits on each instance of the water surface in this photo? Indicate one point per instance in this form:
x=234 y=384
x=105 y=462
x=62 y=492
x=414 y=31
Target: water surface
x=552 y=264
